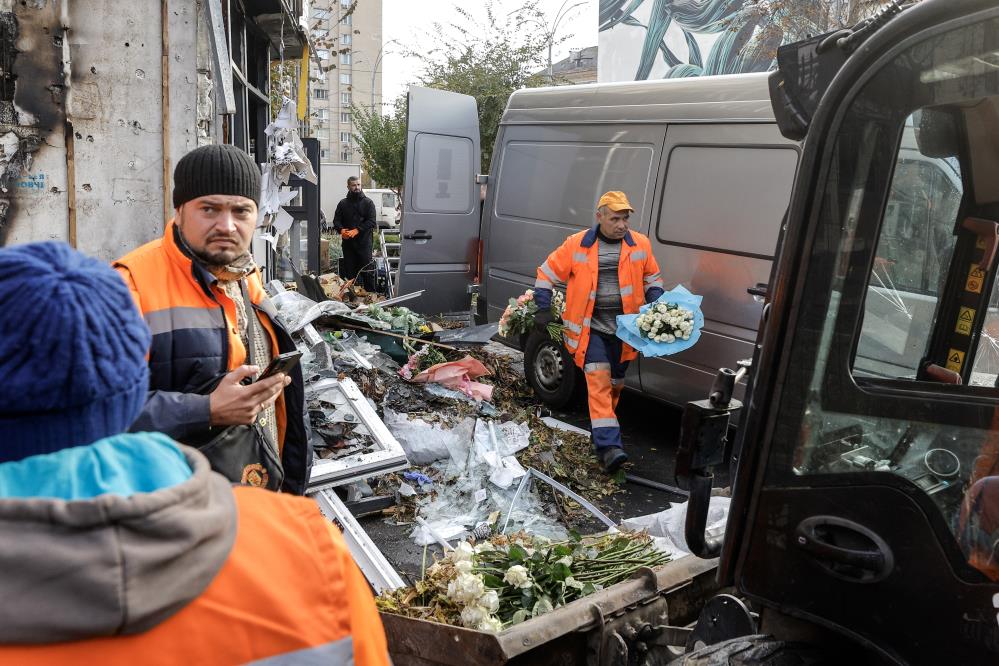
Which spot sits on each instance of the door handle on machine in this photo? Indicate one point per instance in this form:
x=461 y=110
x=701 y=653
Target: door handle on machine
x=419 y=234
x=814 y=535
x=759 y=292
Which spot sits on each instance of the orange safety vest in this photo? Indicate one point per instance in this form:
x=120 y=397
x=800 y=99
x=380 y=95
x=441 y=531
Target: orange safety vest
x=289 y=591
x=163 y=285
x=577 y=263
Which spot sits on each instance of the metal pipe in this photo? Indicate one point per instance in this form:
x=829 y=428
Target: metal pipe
x=698 y=542
x=165 y=105
x=69 y=135
x=649 y=483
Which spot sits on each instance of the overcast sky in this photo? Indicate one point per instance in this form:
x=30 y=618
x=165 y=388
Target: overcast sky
x=410 y=23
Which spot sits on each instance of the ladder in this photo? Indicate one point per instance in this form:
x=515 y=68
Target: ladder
x=391 y=242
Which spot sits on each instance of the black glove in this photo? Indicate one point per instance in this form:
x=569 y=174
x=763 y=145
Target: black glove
x=541 y=320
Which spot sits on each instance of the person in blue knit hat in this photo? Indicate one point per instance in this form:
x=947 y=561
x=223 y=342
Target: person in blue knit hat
x=122 y=548
x=72 y=351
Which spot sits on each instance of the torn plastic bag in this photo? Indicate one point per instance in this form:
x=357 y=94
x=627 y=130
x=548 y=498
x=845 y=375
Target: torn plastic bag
x=297 y=310
x=669 y=524
x=467 y=497
x=425 y=442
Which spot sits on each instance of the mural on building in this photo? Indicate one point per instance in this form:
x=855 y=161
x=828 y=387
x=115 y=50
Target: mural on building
x=653 y=39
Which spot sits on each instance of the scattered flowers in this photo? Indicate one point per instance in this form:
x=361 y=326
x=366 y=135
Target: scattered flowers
x=666 y=322
x=425 y=358
x=509 y=579
x=518 y=577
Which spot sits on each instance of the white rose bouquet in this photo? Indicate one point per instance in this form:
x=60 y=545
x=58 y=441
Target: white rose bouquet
x=666 y=322
x=669 y=325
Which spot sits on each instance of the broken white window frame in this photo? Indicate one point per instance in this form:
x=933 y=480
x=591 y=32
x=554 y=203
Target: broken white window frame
x=389 y=455
x=369 y=559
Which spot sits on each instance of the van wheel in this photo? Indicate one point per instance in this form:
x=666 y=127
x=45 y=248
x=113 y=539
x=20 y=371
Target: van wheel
x=550 y=370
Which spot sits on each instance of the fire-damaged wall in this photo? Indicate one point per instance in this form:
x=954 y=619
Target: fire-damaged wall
x=82 y=117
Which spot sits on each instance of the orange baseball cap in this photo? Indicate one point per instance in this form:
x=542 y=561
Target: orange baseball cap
x=615 y=201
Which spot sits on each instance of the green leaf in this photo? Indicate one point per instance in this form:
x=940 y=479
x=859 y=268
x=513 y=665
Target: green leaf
x=620 y=477
x=575 y=536
x=561 y=571
x=561 y=551
x=519 y=616
x=493 y=581
x=544 y=605
x=588 y=588
x=517 y=553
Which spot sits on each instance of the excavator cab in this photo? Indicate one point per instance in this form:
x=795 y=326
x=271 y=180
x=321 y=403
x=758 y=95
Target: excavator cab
x=865 y=510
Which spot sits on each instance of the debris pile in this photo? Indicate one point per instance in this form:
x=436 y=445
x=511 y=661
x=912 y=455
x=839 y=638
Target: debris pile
x=445 y=427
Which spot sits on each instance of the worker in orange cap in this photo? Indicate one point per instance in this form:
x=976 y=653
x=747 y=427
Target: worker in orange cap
x=608 y=270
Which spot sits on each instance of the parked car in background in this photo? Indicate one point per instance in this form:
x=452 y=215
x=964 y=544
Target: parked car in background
x=386 y=207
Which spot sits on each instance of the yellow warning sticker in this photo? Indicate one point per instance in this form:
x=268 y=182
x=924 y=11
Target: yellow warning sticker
x=980 y=243
x=965 y=318
x=976 y=276
x=955 y=359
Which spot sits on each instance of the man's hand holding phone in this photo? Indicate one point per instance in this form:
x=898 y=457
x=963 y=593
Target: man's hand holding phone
x=235 y=403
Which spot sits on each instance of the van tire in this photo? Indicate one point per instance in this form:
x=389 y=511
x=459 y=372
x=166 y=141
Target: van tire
x=550 y=370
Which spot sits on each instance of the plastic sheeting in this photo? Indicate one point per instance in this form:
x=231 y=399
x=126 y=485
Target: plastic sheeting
x=423 y=442
x=297 y=310
x=477 y=481
x=666 y=527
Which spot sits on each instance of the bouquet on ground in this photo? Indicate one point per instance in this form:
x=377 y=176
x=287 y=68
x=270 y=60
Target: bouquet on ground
x=670 y=324
x=518 y=318
x=509 y=579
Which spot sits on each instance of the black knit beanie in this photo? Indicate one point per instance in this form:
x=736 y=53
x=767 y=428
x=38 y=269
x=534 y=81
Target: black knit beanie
x=215 y=169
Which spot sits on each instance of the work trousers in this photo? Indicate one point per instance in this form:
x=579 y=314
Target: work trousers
x=357 y=259
x=604 y=371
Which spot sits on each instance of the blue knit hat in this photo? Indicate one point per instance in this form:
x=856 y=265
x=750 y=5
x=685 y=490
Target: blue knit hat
x=72 y=351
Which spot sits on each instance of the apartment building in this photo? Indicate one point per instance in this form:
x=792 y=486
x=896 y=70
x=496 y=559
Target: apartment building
x=349 y=46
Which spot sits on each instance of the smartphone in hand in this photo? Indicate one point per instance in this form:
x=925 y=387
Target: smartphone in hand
x=281 y=363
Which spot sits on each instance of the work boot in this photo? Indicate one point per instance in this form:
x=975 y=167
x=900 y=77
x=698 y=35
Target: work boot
x=612 y=458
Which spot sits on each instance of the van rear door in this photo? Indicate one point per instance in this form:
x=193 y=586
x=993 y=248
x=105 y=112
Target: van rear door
x=440 y=221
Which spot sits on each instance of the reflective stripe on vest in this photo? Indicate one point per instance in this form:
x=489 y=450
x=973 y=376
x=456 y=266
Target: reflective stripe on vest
x=337 y=652
x=547 y=270
x=580 y=257
x=638 y=256
x=170 y=319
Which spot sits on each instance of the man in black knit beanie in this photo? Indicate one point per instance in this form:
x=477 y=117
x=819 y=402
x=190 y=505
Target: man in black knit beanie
x=214 y=329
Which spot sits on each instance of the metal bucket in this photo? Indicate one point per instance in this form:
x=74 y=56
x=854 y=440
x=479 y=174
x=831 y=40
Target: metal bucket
x=598 y=629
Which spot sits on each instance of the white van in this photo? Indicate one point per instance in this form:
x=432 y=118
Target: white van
x=386 y=207
x=701 y=160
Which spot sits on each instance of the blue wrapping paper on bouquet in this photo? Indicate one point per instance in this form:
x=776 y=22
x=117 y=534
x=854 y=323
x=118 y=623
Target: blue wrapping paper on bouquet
x=627 y=325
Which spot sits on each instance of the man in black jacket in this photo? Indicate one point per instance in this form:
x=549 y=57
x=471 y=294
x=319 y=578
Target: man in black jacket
x=354 y=220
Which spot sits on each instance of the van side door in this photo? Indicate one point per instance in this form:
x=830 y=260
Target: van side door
x=440 y=222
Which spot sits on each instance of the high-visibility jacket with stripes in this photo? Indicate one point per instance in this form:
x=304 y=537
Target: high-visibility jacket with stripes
x=196 y=340
x=576 y=263
x=288 y=593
